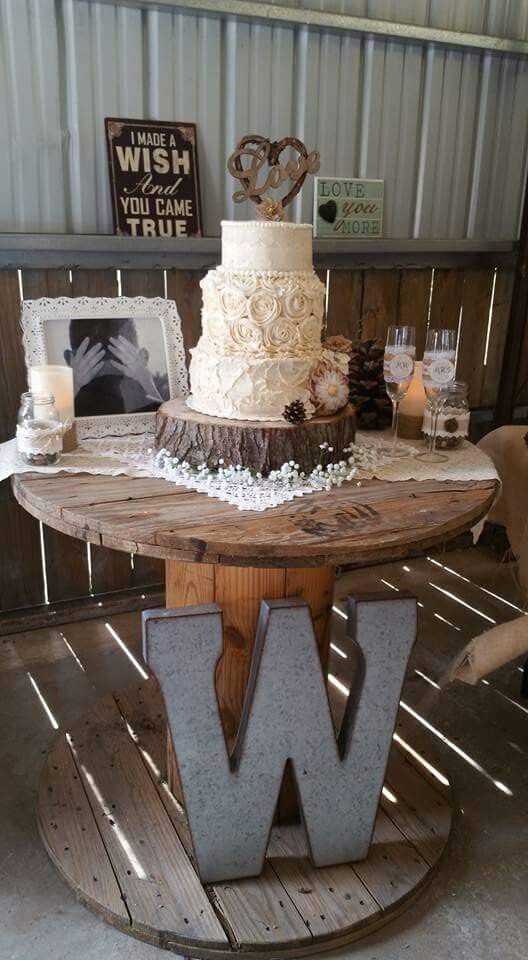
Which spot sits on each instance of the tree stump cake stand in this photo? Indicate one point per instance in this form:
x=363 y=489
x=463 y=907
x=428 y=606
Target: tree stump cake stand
x=259 y=445
x=107 y=816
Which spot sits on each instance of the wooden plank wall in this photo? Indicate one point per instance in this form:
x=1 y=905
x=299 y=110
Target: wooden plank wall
x=359 y=303
x=363 y=303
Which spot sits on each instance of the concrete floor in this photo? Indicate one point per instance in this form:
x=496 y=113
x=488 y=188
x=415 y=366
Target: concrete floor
x=476 y=908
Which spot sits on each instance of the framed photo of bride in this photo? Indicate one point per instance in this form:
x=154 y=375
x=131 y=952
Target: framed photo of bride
x=126 y=353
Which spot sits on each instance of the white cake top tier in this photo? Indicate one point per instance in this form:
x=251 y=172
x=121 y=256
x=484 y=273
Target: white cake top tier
x=264 y=245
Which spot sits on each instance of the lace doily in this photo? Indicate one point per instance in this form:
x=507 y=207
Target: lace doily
x=369 y=457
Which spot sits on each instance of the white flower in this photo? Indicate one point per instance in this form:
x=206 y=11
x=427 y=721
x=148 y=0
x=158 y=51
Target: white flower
x=329 y=390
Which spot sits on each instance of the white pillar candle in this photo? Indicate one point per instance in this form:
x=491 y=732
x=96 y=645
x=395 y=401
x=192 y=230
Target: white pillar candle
x=412 y=407
x=57 y=380
x=413 y=402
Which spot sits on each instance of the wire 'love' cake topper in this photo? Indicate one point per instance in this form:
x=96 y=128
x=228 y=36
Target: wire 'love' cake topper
x=265 y=153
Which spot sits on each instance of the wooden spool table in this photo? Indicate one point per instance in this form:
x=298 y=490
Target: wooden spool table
x=107 y=816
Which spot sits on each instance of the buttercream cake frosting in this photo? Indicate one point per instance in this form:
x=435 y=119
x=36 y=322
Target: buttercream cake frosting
x=262 y=320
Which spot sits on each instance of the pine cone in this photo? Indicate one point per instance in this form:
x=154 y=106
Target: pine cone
x=367 y=386
x=294 y=412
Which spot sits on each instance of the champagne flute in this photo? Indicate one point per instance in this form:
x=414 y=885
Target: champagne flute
x=398 y=369
x=438 y=372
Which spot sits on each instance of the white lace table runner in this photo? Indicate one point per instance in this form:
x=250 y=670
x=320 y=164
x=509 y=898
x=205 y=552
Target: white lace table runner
x=369 y=457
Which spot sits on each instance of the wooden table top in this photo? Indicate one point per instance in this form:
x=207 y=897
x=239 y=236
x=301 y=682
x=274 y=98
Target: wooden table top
x=375 y=520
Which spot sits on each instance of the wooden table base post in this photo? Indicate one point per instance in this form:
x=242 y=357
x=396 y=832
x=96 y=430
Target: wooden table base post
x=239 y=591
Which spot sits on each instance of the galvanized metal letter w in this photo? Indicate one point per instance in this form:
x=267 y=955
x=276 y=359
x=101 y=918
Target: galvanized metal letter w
x=231 y=799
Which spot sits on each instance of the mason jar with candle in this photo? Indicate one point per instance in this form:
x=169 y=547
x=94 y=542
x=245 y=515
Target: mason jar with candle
x=453 y=420
x=39 y=430
x=52 y=378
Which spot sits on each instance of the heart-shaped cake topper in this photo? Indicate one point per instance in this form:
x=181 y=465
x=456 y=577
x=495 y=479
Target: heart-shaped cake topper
x=264 y=165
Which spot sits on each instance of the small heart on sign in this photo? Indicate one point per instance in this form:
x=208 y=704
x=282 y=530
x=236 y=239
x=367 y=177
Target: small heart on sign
x=328 y=211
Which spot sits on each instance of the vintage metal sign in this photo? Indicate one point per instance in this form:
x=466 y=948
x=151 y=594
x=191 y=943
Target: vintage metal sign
x=351 y=209
x=154 y=178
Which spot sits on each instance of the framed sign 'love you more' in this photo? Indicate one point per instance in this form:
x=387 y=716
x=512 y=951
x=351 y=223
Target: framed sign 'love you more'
x=348 y=208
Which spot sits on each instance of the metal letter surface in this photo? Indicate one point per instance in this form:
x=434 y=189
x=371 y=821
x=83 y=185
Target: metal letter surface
x=230 y=801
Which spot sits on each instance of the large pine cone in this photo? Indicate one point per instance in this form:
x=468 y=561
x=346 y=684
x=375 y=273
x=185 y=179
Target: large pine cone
x=367 y=386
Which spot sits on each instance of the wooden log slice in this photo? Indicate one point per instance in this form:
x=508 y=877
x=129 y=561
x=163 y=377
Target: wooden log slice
x=260 y=445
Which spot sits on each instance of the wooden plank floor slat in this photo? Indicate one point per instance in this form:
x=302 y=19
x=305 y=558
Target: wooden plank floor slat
x=421 y=812
x=260 y=912
x=330 y=899
x=141 y=707
x=161 y=888
x=105 y=663
x=393 y=864
x=73 y=839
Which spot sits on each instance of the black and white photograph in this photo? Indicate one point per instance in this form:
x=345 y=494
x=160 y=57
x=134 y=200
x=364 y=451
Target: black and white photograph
x=119 y=363
x=126 y=355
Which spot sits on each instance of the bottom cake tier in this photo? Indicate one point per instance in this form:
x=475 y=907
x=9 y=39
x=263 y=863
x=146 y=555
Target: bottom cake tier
x=244 y=388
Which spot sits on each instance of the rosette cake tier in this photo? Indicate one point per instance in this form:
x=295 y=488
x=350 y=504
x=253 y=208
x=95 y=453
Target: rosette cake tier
x=261 y=320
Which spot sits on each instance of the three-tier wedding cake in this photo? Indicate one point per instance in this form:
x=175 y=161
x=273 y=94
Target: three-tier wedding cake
x=262 y=321
x=267 y=392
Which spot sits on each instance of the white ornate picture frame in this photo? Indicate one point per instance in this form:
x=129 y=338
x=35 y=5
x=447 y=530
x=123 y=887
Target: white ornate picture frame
x=36 y=314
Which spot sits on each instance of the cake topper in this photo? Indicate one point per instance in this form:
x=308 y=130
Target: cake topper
x=264 y=153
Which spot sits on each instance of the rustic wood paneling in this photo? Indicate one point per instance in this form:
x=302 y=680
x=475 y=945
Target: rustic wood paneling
x=413 y=303
x=380 y=302
x=21 y=582
x=345 y=289
x=12 y=364
x=521 y=391
x=142 y=283
x=94 y=283
x=183 y=286
x=45 y=283
x=521 y=386
x=446 y=298
x=499 y=328
x=476 y=301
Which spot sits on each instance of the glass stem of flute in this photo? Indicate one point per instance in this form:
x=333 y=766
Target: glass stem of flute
x=395 y=418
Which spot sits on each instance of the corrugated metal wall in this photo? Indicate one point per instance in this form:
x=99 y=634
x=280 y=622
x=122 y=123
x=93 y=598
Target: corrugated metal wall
x=445 y=127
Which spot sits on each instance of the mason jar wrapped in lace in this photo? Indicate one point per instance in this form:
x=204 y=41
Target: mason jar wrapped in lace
x=39 y=430
x=453 y=420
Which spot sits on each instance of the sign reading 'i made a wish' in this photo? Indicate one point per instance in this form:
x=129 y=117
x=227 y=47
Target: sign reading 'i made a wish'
x=351 y=209
x=154 y=178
